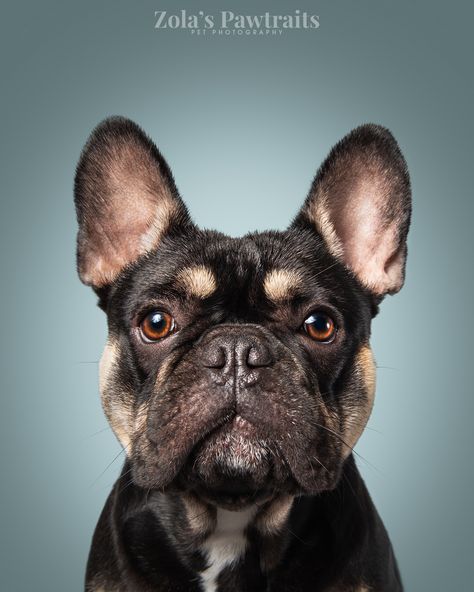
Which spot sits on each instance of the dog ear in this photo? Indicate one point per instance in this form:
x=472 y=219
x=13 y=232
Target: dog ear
x=126 y=201
x=360 y=203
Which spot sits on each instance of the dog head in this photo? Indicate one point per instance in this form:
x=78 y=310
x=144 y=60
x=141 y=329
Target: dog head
x=239 y=368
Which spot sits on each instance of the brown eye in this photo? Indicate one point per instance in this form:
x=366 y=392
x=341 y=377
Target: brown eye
x=320 y=327
x=156 y=325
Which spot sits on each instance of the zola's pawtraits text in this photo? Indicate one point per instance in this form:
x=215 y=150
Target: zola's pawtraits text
x=230 y=23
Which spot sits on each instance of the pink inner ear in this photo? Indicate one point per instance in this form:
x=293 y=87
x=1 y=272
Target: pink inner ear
x=367 y=237
x=360 y=203
x=351 y=209
x=129 y=208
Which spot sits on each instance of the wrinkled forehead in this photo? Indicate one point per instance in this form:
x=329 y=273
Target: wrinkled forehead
x=258 y=269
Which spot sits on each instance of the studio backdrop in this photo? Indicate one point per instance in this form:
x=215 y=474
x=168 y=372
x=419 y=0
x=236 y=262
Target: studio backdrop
x=244 y=117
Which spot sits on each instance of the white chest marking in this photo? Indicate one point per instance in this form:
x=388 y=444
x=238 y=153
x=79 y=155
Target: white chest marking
x=226 y=544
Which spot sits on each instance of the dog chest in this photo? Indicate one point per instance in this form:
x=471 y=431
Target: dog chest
x=226 y=545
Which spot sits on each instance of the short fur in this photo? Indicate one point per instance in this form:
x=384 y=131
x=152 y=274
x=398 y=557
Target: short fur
x=238 y=409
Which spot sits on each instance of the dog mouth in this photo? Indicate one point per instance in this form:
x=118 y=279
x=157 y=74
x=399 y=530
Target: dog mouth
x=234 y=455
x=232 y=466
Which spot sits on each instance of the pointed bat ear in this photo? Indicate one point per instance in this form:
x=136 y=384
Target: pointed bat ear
x=126 y=201
x=360 y=204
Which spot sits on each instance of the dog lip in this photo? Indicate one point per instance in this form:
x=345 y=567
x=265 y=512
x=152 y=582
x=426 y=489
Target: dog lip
x=240 y=420
x=225 y=420
x=230 y=421
x=234 y=500
x=242 y=423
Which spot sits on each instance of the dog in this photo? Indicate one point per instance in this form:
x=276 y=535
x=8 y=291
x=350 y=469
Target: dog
x=238 y=374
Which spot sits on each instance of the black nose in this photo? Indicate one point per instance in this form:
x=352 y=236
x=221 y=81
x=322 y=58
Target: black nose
x=244 y=352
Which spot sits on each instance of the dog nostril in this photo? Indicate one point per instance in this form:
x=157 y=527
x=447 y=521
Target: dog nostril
x=228 y=352
x=259 y=356
x=214 y=357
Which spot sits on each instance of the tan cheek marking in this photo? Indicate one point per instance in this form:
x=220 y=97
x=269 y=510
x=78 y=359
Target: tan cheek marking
x=198 y=281
x=113 y=399
x=272 y=519
x=163 y=372
x=280 y=284
x=106 y=364
x=367 y=364
x=141 y=419
x=366 y=375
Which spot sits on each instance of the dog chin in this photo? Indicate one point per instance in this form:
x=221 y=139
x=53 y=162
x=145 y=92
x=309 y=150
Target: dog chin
x=232 y=467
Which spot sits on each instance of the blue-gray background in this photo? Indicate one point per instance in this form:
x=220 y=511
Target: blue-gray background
x=243 y=123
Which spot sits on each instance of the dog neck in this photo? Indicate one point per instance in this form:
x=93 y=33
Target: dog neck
x=175 y=536
x=233 y=544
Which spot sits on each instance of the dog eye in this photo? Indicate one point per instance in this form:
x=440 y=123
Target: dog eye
x=157 y=325
x=320 y=327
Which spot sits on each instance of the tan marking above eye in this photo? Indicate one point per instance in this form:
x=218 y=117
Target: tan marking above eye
x=280 y=284
x=198 y=281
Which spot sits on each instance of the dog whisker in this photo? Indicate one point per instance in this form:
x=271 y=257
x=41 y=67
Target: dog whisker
x=341 y=439
x=89 y=362
x=361 y=424
x=327 y=268
x=105 y=429
x=116 y=457
x=319 y=462
x=129 y=482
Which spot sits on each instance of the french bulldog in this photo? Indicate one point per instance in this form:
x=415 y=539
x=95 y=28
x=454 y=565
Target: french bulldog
x=238 y=374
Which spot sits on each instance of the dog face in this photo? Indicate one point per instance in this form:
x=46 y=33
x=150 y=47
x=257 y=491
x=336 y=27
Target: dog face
x=238 y=369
